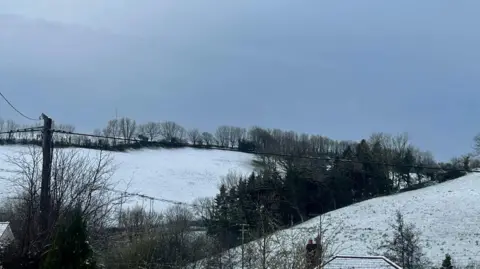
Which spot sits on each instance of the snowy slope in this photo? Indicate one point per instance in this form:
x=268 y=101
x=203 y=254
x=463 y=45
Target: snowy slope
x=447 y=214
x=174 y=174
x=179 y=174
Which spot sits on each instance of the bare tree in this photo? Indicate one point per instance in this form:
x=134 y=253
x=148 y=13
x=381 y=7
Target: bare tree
x=112 y=129
x=2 y=125
x=231 y=179
x=194 y=136
x=222 y=134
x=327 y=239
x=76 y=179
x=235 y=135
x=292 y=253
x=170 y=243
x=171 y=130
x=401 y=144
x=136 y=221
x=263 y=139
x=476 y=145
x=150 y=130
x=127 y=128
x=208 y=138
x=204 y=208
x=64 y=127
x=265 y=249
x=11 y=125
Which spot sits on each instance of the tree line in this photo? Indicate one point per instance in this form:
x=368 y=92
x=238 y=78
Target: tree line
x=311 y=175
x=292 y=189
x=125 y=133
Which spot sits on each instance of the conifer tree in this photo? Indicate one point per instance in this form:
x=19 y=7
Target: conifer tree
x=70 y=248
x=404 y=247
x=447 y=263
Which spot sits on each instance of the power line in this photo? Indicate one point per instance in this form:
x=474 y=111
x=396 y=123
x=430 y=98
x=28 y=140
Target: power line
x=25 y=130
x=151 y=197
x=273 y=154
x=18 y=111
x=97 y=136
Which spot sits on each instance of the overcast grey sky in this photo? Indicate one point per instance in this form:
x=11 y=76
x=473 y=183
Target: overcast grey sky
x=343 y=69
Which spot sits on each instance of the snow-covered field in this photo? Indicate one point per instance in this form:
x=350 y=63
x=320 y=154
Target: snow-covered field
x=447 y=214
x=178 y=174
x=173 y=174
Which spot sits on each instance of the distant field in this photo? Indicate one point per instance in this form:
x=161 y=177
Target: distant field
x=174 y=174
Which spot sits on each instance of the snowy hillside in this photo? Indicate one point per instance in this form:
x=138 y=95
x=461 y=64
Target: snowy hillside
x=174 y=174
x=447 y=214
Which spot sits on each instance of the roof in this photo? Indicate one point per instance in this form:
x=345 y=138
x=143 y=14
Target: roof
x=377 y=262
x=3 y=228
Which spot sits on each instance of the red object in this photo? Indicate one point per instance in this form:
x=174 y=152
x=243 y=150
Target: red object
x=310 y=241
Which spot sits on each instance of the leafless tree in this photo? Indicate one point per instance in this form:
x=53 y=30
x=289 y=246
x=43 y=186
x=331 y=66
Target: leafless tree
x=401 y=144
x=64 y=127
x=475 y=163
x=11 y=125
x=291 y=254
x=231 y=179
x=476 y=145
x=61 y=127
x=2 y=125
x=112 y=130
x=328 y=232
x=171 y=130
x=194 y=136
x=150 y=130
x=204 y=208
x=386 y=141
x=128 y=128
x=76 y=179
x=136 y=221
x=265 y=245
x=208 y=138
x=171 y=243
x=235 y=134
x=222 y=134
x=263 y=139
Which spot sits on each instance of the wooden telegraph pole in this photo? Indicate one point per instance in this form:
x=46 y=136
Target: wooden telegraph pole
x=243 y=230
x=46 y=173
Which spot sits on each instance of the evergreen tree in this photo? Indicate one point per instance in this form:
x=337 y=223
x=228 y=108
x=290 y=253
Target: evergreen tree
x=363 y=171
x=447 y=262
x=70 y=248
x=406 y=167
x=340 y=184
x=466 y=163
x=381 y=182
x=404 y=247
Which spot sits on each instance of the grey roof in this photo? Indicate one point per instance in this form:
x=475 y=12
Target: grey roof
x=360 y=262
x=3 y=227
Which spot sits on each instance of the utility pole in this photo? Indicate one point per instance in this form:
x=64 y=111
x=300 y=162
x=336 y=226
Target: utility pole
x=46 y=174
x=319 y=252
x=243 y=230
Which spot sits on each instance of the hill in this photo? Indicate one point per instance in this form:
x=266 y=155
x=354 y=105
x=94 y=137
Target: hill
x=174 y=174
x=447 y=215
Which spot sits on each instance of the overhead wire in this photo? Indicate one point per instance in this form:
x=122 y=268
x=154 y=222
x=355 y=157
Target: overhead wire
x=274 y=154
x=164 y=200
x=160 y=199
x=24 y=130
x=18 y=111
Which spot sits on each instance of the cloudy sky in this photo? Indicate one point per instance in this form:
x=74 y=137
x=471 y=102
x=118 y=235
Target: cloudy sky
x=343 y=69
